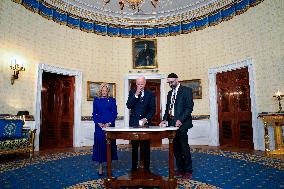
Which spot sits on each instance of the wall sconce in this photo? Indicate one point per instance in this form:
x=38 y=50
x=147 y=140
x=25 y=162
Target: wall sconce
x=278 y=97
x=16 y=68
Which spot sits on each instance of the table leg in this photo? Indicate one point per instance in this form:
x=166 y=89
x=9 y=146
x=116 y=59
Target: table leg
x=278 y=136
x=108 y=159
x=266 y=138
x=171 y=160
x=142 y=156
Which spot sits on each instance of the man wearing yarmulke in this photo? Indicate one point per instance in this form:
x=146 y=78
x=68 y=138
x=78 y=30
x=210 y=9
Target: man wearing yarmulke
x=178 y=114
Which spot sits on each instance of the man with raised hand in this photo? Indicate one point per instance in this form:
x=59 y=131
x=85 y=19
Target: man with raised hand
x=142 y=107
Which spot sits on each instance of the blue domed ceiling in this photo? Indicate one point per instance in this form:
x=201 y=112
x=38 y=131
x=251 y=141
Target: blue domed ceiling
x=151 y=18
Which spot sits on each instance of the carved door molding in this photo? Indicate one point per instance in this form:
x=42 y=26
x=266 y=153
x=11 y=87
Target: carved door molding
x=234 y=109
x=77 y=100
x=148 y=76
x=154 y=86
x=214 y=132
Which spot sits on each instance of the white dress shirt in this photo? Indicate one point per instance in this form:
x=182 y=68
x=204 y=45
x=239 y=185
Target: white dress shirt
x=173 y=99
x=142 y=94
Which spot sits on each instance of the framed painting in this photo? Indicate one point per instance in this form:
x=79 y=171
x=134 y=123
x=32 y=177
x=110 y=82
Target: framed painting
x=94 y=87
x=144 y=53
x=195 y=85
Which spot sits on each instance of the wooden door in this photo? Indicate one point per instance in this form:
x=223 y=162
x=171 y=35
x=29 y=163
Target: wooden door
x=155 y=88
x=57 y=111
x=66 y=113
x=234 y=109
x=49 y=114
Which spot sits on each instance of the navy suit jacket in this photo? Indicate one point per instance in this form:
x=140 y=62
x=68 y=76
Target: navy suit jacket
x=183 y=106
x=142 y=107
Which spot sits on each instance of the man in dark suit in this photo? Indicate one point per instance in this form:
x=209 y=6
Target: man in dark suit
x=178 y=113
x=142 y=108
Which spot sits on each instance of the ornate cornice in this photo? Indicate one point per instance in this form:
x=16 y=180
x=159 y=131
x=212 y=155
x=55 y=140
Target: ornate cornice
x=181 y=21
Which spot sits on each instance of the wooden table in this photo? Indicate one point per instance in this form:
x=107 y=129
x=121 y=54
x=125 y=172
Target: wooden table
x=276 y=120
x=141 y=177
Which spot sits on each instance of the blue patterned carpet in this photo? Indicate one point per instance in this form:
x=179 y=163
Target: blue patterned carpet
x=211 y=169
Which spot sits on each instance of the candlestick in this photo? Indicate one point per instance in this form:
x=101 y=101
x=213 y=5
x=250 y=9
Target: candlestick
x=278 y=97
x=278 y=93
x=16 y=69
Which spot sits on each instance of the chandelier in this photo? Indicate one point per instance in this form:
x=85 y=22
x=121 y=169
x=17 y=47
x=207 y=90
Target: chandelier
x=133 y=4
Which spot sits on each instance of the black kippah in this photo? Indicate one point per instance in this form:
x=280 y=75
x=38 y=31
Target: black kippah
x=172 y=75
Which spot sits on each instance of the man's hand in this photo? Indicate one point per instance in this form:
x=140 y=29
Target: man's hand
x=138 y=91
x=143 y=121
x=107 y=124
x=163 y=124
x=178 y=123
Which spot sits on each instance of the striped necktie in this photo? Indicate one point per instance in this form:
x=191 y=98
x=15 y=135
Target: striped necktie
x=173 y=99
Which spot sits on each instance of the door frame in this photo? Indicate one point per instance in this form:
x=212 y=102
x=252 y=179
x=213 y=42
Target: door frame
x=128 y=77
x=77 y=100
x=214 y=138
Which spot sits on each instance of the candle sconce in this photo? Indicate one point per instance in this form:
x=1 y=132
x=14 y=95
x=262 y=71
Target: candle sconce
x=279 y=97
x=16 y=68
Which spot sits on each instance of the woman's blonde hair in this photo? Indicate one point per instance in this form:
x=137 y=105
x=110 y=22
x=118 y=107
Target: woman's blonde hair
x=101 y=88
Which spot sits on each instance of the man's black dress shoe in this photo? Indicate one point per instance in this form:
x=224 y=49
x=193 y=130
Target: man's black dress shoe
x=178 y=173
x=187 y=176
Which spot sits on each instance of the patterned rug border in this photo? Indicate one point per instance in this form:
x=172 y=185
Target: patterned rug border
x=249 y=157
x=188 y=184
x=263 y=160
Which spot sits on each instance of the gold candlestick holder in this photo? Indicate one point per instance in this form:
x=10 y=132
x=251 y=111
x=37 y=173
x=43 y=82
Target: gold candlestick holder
x=16 y=68
x=279 y=97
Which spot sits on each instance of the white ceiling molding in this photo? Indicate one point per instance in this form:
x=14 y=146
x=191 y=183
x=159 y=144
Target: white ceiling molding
x=167 y=11
x=168 y=19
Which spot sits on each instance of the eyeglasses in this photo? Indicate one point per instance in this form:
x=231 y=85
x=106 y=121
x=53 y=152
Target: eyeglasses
x=171 y=82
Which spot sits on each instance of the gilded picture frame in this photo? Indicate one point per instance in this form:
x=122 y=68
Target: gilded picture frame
x=94 y=87
x=195 y=85
x=144 y=53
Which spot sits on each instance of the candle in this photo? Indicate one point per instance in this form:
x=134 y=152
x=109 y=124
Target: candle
x=13 y=64
x=278 y=93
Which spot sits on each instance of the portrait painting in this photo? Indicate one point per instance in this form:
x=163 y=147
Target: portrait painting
x=94 y=87
x=195 y=85
x=144 y=53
